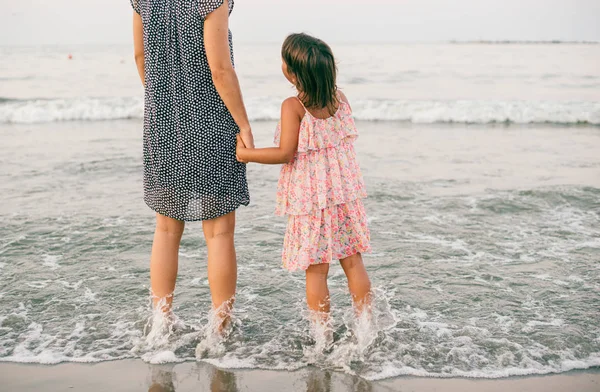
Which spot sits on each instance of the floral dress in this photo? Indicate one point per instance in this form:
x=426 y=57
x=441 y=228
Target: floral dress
x=321 y=192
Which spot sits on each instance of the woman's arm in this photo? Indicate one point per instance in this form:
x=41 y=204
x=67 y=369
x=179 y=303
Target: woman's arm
x=216 y=43
x=291 y=117
x=138 y=45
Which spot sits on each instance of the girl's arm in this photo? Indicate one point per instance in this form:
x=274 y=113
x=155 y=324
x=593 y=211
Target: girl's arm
x=291 y=116
x=138 y=46
x=216 y=42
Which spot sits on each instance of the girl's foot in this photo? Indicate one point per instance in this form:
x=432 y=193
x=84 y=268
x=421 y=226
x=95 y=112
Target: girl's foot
x=321 y=329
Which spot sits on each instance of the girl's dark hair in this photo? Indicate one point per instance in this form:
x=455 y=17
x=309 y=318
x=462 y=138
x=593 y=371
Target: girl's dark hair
x=311 y=61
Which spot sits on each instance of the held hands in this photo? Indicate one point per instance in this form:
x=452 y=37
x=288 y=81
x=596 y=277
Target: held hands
x=240 y=149
x=245 y=140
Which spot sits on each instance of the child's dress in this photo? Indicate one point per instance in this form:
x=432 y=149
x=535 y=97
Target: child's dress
x=321 y=191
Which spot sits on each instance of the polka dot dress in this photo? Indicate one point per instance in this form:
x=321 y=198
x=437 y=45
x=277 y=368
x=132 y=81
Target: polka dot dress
x=190 y=169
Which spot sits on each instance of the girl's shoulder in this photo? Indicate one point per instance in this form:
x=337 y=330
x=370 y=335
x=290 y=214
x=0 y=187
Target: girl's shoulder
x=292 y=105
x=292 y=114
x=344 y=99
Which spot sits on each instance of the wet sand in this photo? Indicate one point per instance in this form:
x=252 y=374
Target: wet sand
x=135 y=375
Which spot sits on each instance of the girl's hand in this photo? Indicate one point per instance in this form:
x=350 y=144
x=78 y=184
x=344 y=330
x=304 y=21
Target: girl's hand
x=240 y=149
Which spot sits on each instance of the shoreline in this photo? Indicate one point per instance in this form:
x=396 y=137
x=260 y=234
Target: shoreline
x=136 y=375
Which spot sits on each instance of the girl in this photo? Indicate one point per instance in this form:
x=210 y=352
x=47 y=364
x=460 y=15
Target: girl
x=320 y=187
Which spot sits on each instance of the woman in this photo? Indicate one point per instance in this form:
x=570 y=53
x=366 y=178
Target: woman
x=193 y=112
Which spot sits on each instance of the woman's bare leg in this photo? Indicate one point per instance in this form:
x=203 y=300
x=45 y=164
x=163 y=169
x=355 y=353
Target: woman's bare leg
x=222 y=263
x=164 y=260
x=358 y=281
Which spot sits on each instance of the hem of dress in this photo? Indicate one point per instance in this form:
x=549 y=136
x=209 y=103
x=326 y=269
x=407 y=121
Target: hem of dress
x=244 y=203
x=305 y=150
x=355 y=250
x=360 y=197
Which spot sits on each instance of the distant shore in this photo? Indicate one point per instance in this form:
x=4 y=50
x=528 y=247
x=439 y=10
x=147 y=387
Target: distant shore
x=511 y=42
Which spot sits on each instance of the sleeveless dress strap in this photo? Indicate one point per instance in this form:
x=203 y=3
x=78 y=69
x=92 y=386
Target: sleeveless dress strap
x=303 y=107
x=340 y=102
x=345 y=108
x=340 y=99
x=299 y=100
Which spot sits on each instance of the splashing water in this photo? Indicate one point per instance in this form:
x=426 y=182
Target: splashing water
x=220 y=326
x=163 y=334
x=321 y=331
x=347 y=347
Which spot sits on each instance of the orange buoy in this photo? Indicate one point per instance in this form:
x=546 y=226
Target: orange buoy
x=70 y=56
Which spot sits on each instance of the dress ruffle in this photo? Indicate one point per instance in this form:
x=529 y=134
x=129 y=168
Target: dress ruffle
x=321 y=134
x=325 y=171
x=333 y=233
x=318 y=179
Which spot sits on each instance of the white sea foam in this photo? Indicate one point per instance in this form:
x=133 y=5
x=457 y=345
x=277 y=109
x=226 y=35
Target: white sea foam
x=214 y=335
x=267 y=109
x=466 y=357
x=391 y=370
x=51 y=261
x=73 y=286
x=531 y=325
x=231 y=362
x=575 y=279
x=161 y=357
x=89 y=296
x=40 y=284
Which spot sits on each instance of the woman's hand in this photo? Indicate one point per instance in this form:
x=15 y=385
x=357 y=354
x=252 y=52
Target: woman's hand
x=247 y=138
x=291 y=116
x=240 y=149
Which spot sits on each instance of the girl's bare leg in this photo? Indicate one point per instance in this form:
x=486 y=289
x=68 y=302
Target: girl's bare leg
x=317 y=292
x=358 y=281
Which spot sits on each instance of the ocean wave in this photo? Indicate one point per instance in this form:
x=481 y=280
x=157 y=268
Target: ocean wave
x=13 y=111
x=479 y=112
x=386 y=371
x=268 y=109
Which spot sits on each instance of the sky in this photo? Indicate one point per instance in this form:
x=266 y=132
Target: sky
x=67 y=22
